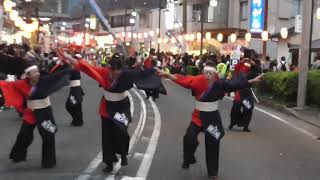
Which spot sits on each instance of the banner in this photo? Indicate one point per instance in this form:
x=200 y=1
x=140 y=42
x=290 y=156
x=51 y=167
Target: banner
x=105 y=23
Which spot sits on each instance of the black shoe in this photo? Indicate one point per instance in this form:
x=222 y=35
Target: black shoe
x=246 y=129
x=124 y=161
x=48 y=166
x=185 y=165
x=147 y=97
x=231 y=126
x=76 y=124
x=115 y=159
x=213 y=177
x=193 y=160
x=17 y=160
x=107 y=169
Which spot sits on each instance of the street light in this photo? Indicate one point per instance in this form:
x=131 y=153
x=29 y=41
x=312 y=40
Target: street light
x=318 y=13
x=132 y=21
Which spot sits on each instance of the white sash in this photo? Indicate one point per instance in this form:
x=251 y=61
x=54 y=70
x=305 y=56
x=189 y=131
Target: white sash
x=207 y=106
x=75 y=83
x=39 y=103
x=109 y=96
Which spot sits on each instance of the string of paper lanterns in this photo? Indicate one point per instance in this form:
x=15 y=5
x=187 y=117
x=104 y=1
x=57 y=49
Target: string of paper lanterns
x=27 y=28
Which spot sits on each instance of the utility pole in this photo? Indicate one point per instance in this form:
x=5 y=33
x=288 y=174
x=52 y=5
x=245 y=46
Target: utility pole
x=305 y=52
x=264 y=43
x=184 y=16
x=159 y=25
x=202 y=23
x=125 y=27
x=1 y=22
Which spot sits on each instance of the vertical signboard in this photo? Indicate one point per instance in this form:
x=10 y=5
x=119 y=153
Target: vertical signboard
x=298 y=24
x=257 y=13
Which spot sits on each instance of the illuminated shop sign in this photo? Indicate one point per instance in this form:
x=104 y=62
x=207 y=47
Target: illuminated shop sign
x=257 y=11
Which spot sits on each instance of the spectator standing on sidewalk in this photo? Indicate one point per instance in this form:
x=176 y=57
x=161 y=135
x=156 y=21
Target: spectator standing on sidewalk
x=265 y=65
x=283 y=65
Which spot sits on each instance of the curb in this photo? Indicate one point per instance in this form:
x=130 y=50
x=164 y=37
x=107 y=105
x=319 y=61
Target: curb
x=288 y=111
x=295 y=114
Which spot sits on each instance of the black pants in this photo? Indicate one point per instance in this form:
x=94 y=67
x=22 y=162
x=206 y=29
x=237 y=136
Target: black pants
x=2 y=102
x=114 y=141
x=240 y=115
x=75 y=110
x=190 y=144
x=153 y=94
x=24 y=140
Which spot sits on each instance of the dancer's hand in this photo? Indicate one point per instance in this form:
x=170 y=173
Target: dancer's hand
x=256 y=79
x=67 y=57
x=167 y=76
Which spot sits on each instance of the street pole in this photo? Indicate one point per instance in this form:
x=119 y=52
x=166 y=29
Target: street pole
x=305 y=52
x=159 y=25
x=1 y=22
x=125 y=28
x=264 y=43
x=184 y=17
x=202 y=23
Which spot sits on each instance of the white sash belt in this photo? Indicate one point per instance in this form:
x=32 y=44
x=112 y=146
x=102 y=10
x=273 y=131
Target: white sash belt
x=109 y=96
x=39 y=104
x=75 y=83
x=207 y=106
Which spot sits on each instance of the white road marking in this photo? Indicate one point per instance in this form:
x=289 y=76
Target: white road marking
x=132 y=178
x=138 y=156
x=98 y=159
x=144 y=112
x=135 y=137
x=148 y=157
x=284 y=121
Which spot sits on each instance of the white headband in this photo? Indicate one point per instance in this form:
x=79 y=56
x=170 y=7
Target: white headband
x=208 y=68
x=30 y=68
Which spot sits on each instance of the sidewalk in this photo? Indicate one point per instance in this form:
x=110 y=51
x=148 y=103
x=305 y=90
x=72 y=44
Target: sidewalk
x=307 y=114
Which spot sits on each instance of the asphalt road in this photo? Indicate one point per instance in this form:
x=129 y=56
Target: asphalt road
x=278 y=148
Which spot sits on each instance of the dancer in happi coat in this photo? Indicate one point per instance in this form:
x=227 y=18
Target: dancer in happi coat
x=74 y=102
x=208 y=90
x=115 y=105
x=243 y=103
x=32 y=96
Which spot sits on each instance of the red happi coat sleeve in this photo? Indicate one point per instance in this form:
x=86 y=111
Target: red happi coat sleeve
x=15 y=92
x=198 y=84
x=101 y=75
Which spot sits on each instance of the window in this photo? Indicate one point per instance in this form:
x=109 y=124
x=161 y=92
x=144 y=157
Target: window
x=244 y=10
x=196 y=12
x=120 y=21
x=297 y=7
